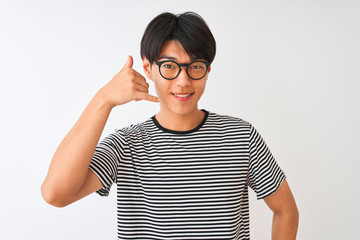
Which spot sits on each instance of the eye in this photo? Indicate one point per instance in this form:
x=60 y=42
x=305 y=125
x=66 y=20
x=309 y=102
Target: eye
x=168 y=66
x=197 y=66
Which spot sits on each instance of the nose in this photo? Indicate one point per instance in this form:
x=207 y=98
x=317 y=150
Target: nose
x=183 y=80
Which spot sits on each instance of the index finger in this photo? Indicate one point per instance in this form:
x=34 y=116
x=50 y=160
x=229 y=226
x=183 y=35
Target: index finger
x=141 y=80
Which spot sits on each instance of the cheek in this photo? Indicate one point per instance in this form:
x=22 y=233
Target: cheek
x=201 y=86
x=161 y=86
x=155 y=79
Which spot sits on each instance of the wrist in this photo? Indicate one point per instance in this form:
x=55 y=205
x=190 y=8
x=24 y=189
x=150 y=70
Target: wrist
x=101 y=98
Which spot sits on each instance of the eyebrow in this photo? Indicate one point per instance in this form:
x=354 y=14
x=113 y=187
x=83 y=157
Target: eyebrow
x=174 y=58
x=168 y=57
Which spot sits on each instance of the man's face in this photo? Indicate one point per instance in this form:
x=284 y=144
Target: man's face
x=181 y=95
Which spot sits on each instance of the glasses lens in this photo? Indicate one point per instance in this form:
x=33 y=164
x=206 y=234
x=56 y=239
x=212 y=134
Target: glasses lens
x=197 y=70
x=169 y=69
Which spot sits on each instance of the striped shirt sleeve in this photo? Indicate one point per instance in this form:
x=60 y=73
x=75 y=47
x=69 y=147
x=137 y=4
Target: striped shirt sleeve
x=264 y=174
x=105 y=161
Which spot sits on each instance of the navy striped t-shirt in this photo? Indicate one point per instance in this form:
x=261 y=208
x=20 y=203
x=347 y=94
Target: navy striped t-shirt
x=186 y=185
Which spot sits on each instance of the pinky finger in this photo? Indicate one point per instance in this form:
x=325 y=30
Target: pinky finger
x=147 y=97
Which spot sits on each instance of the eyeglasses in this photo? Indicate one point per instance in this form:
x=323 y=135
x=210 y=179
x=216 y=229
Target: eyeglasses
x=170 y=69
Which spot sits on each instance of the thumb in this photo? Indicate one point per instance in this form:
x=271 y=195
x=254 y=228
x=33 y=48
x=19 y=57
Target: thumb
x=129 y=62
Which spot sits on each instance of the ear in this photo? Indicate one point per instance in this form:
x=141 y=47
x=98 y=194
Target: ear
x=208 y=71
x=147 y=68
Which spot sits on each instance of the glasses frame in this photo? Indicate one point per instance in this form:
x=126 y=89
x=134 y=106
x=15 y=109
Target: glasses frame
x=180 y=65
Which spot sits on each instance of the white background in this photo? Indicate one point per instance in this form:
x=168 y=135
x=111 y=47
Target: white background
x=291 y=68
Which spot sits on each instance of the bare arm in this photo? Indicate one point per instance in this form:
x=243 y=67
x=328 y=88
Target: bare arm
x=286 y=215
x=69 y=177
x=70 y=163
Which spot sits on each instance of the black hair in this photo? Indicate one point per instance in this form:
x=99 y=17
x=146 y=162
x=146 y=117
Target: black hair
x=189 y=28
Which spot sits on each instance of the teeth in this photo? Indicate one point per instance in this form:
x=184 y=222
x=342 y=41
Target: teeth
x=182 y=95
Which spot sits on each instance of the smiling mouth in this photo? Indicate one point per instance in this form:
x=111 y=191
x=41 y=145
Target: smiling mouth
x=182 y=95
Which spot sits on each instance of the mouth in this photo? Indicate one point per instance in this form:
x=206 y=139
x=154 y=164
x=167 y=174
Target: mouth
x=182 y=96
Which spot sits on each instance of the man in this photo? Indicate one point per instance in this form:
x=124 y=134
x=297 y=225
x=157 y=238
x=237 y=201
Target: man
x=185 y=172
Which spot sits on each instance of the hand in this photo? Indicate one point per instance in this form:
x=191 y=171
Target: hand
x=127 y=85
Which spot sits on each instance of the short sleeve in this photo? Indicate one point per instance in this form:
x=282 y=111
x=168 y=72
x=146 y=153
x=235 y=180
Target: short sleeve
x=264 y=174
x=105 y=161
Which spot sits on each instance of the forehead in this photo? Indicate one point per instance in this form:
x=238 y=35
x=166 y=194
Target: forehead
x=173 y=50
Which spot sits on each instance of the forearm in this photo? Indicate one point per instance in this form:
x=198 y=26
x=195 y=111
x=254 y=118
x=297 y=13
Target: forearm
x=70 y=163
x=284 y=226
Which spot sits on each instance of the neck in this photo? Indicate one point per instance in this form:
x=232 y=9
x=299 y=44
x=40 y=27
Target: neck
x=179 y=122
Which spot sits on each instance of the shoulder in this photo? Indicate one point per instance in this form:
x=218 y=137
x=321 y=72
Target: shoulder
x=227 y=120
x=135 y=129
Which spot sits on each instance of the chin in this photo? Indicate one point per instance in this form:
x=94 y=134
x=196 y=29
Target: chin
x=180 y=108
x=184 y=110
